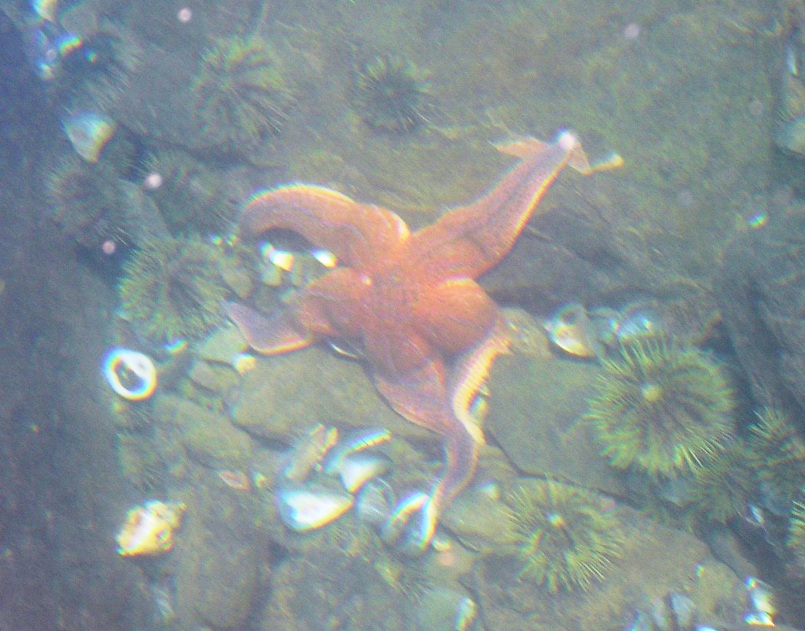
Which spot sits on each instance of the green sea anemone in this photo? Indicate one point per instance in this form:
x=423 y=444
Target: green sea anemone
x=661 y=408
x=777 y=453
x=88 y=202
x=240 y=94
x=191 y=197
x=565 y=539
x=391 y=94
x=172 y=288
x=796 y=534
x=721 y=488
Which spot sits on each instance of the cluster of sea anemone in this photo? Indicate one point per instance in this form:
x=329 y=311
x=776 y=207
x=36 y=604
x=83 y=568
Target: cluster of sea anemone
x=391 y=94
x=661 y=408
x=240 y=94
x=172 y=288
x=565 y=538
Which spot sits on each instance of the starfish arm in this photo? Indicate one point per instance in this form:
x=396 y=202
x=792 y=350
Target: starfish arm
x=354 y=232
x=470 y=240
x=331 y=306
x=470 y=372
x=270 y=335
x=334 y=305
x=422 y=399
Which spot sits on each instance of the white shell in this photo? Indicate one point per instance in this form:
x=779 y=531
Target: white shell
x=120 y=360
x=309 y=507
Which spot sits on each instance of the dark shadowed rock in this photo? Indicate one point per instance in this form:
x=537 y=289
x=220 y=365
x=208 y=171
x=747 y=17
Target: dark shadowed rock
x=761 y=291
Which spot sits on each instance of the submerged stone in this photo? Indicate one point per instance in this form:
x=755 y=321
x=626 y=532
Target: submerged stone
x=535 y=412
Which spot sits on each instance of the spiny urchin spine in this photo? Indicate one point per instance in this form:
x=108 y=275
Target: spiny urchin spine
x=661 y=408
x=565 y=539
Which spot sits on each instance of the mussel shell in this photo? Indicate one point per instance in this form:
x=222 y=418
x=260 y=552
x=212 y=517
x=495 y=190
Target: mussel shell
x=356 y=458
x=311 y=506
x=375 y=502
x=359 y=468
x=637 y=320
x=571 y=330
x=308 y=453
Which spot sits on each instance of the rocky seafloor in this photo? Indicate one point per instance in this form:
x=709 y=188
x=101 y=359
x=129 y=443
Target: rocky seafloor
x=684 y=92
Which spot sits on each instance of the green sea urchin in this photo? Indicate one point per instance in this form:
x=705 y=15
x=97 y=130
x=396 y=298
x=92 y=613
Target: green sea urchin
x=240 y=94
x=722 y=487
x=796 y=534
x=172 y=288
x=391 y=94
x=88 y=202
x=565 y=539
x=191 y=197
x=777 y=453
x=661 y=408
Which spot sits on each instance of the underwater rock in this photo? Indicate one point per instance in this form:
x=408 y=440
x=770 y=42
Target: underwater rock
x=213 y=377
x=192 y=197
x=445 y=609
x=345 y=576
x=208 y=438
x=287 y=392
x=563 y=256
x=146 y=222
x=222 y=346
x=760 y=288
x=481 y=522
x=220 y=566
x=654 y=562
x=534 y=411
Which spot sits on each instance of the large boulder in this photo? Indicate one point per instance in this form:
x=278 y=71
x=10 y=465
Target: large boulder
x=760 y=288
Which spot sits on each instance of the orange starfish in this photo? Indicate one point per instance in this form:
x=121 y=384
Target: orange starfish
x=428 y=331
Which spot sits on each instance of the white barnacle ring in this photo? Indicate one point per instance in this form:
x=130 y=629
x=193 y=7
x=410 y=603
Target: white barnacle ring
x=131 y=374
